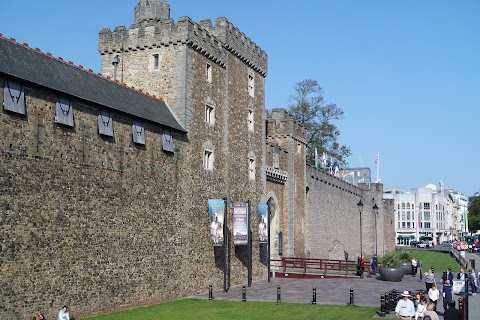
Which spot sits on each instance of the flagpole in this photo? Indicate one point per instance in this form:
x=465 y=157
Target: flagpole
x=378 y=167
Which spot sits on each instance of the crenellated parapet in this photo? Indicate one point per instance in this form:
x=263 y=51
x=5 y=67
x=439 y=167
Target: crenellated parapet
x=213 y=42
x=238 y=44
x=281 y=124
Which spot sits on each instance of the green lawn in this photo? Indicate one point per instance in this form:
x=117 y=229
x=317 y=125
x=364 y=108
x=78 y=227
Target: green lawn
x=216 y=309
x=205 y=309
x=439 y=260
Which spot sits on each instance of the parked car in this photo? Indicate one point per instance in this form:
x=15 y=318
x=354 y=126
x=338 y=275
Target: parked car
x=447 y=243
x=425 y=244
x=414 y=243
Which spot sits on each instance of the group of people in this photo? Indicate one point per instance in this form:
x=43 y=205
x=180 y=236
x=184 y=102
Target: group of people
x=63 y=314
x=423 y=310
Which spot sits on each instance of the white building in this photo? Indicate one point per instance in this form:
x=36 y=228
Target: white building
x=428 y=213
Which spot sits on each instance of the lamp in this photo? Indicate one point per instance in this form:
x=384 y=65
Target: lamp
x=375 y=211
x=360 y=209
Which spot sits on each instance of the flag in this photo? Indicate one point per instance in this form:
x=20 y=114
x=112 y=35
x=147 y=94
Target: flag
x=378 y=156
x=316 y=158
x=337 y=168
x=324 y=159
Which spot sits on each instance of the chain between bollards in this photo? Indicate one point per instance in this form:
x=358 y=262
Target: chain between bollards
x=314 y=297
x=279 y=297
x=244 y=293
x=210 y=293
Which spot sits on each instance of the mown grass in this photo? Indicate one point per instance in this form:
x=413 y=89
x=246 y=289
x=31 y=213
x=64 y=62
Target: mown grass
x=438 y=260
x=212 y=310
x=216 y=309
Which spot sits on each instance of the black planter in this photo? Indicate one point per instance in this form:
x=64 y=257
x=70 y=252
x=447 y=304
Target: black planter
x=407 y=267
x=391 y=274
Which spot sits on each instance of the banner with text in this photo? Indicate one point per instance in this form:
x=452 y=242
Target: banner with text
x=262 y=222
x=216 y=212
x=240 y=224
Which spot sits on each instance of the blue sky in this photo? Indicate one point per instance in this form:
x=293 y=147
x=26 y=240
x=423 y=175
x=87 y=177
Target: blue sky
x=405 y=72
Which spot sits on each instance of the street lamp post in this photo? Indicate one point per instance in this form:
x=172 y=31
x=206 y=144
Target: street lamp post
x=360 y=208
x=375 y=211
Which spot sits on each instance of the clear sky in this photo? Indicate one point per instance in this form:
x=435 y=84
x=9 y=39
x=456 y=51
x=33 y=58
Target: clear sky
x=405 y=72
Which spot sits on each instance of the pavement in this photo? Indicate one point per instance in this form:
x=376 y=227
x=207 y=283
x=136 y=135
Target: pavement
x=366 y=291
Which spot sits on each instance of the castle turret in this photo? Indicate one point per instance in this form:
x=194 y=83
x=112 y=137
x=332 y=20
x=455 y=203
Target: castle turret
x=151 y=10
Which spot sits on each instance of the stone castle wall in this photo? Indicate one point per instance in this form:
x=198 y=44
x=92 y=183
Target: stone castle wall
x=332 y=218
x=100 y=223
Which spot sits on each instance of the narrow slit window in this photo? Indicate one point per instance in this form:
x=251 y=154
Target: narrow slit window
x=209 y=72
x=251 y=85
x=209 y=114
x=251 y=169
x=156 y=61
x=208 y=160
x=251 y=126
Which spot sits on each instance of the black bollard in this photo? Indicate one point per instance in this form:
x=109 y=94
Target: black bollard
x=314 y=297
x=210 y=293
x=244 y=293
x=351 y=297
x=279 y=298
x=382 y=305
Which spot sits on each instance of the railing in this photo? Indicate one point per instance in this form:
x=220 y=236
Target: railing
x=461 y=259
x=316 y=266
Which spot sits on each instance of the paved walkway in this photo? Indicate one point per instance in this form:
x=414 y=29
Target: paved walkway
x=367 y=291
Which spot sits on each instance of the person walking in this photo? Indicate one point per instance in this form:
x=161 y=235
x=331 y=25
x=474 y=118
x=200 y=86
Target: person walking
x=374 y=264
x=422 y=307
x=414 y=267
x=452 y=313
x=405 y=308
x=447 y=294
x=430 y=312
x=473 y=282
x=433 y=296
x=429 y=277
x=447 y=275
x=419 y=270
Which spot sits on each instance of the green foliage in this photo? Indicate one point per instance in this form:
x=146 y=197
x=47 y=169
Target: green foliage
x=474 y=214
x=391 y=259
x=405 y=256
x=216 y=309
x=308 y=108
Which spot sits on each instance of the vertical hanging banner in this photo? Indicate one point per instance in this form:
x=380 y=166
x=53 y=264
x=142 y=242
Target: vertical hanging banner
x=217 y=214
x=262 y=222
x=240 y=224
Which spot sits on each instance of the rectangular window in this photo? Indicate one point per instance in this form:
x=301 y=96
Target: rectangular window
x=167 y=141
x=209 y=72
x=408 y=215
x=138 y=132
x=427 y=225
x=251 y=85
x=398 y=223
x=64 y=112
x=250 y=120
x=208 y=160
x=156 y=61
x=105 y=126
x=209 y=114
x=14 y=97
x=408 y=224
x=403 y=225
x=251 y=169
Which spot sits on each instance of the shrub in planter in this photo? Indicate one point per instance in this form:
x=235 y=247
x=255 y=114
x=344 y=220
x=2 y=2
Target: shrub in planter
x=390 y=269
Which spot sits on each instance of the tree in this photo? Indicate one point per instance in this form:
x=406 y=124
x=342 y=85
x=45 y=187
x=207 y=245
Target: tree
x=474 y=214
x=308 y=108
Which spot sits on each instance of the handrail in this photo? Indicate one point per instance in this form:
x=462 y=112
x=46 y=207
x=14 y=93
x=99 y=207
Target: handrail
x=320 y=266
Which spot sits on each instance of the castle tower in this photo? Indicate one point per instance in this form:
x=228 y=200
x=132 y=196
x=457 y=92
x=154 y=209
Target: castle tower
x=151 y=10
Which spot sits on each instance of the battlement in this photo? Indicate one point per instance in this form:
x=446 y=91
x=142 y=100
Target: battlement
x=151 y=10
x=280 y=123
x=213 y=42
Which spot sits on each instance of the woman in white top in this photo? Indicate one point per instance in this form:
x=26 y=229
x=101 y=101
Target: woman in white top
x=422 y=307
x=433 y=295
